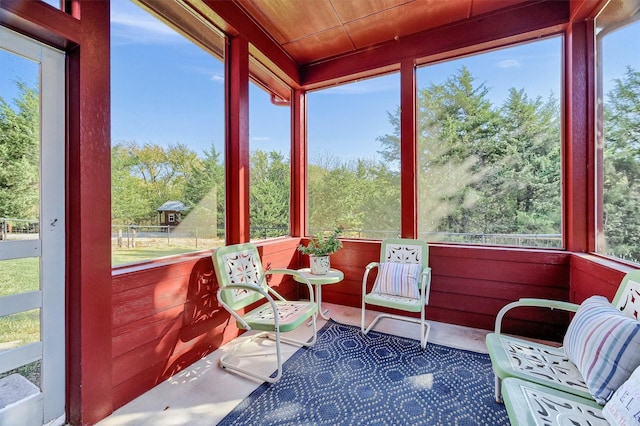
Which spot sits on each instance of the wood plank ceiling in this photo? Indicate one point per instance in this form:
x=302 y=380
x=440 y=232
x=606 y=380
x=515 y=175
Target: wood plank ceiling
x=310 y=31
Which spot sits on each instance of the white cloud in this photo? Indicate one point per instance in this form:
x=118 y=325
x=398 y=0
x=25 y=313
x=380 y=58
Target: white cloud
x=217 y=77
x=131 y=24
x=261 y=138
x=509 y=63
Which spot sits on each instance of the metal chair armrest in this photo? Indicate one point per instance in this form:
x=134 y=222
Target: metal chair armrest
x=367 y=269
x=285 y=271
x=372 y=265
x=249 y=287
x=532 y=302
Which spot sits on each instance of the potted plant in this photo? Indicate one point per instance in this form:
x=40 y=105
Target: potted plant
x=319 y=248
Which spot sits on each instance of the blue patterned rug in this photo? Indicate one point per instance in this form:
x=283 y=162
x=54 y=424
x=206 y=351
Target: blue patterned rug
x=378 y=379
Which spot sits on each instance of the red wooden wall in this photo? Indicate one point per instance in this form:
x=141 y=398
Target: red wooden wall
x=129 y=331
x=470 y=285
x=167 y=317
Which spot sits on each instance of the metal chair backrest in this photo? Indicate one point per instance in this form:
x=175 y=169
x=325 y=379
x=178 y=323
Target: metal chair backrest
x=404 y=250
x=627 y=298
x=239 y=264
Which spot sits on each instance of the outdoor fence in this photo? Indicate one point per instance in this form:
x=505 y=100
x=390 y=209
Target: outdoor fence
x=19 y=229
x=518 y=240
x=199 y=237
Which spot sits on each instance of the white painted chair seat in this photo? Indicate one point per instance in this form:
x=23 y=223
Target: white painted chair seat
x=530 y=404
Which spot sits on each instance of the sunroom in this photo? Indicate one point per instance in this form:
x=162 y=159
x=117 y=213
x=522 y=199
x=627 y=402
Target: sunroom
x=503 y=133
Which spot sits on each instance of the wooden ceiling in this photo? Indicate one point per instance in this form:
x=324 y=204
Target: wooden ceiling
x=311 y=31
x=315 y=43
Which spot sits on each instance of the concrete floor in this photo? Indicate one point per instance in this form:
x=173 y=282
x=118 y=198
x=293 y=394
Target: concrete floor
x=203 y=394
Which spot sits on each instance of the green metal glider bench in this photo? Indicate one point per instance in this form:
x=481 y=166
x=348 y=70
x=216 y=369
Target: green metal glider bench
x=531 y=404
x=539 y=381
x=242 y=282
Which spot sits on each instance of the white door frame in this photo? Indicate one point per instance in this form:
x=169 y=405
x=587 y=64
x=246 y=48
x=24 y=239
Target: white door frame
x=49 y=405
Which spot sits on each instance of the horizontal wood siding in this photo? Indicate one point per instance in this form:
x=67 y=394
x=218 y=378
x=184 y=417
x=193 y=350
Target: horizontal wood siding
x=470 y=285
x=595 y=275
x=166 y=316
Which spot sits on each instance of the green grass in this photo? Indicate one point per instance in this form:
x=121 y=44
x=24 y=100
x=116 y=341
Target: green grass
x=19 y=329
x=122 y=256
x=19 y=275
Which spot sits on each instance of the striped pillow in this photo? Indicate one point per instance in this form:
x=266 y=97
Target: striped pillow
x=398 y=279
x=604 y=344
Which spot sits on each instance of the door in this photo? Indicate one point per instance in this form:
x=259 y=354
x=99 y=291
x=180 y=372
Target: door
x=32 y=232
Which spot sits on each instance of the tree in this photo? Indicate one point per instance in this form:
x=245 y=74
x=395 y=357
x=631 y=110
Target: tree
x=455 y=120
x=204 y=192
x=482 y=169
x=360 y=195
x=522 y=194
x=20 y=155
x=269 y=193
x=622 y=167
x=145 y=177
x=127 y=204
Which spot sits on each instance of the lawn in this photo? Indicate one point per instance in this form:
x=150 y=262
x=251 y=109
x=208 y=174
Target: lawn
x=121 y=256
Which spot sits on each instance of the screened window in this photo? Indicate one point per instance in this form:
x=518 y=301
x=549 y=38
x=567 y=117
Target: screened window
x=489 y=166
x=270 y=167
x=618 y=44
x=353 y=158
x=167 y=106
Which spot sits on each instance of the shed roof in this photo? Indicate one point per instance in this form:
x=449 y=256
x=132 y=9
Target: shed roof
x=172 y=206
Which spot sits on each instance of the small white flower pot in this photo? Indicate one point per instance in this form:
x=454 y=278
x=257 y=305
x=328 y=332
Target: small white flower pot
x=320 y=265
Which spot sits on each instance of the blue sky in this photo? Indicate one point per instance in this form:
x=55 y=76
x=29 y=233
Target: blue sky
x=345 y=120
x=166 y=90
x=15 y=68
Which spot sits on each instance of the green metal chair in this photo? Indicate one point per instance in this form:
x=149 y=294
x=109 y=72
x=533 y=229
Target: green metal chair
x=399 y=285
x=544 y=364
x=242 y=282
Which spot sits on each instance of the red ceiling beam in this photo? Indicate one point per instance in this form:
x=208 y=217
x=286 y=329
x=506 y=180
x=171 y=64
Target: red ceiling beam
x=492 y=30
x=585 y=9
x=236 y=20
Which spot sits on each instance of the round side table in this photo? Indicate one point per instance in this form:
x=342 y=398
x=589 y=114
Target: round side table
x=332 y=277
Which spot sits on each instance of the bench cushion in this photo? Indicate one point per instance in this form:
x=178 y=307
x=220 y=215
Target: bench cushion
x=604 y=344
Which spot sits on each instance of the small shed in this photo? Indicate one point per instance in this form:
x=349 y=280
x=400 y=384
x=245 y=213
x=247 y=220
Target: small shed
x=170 y=213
